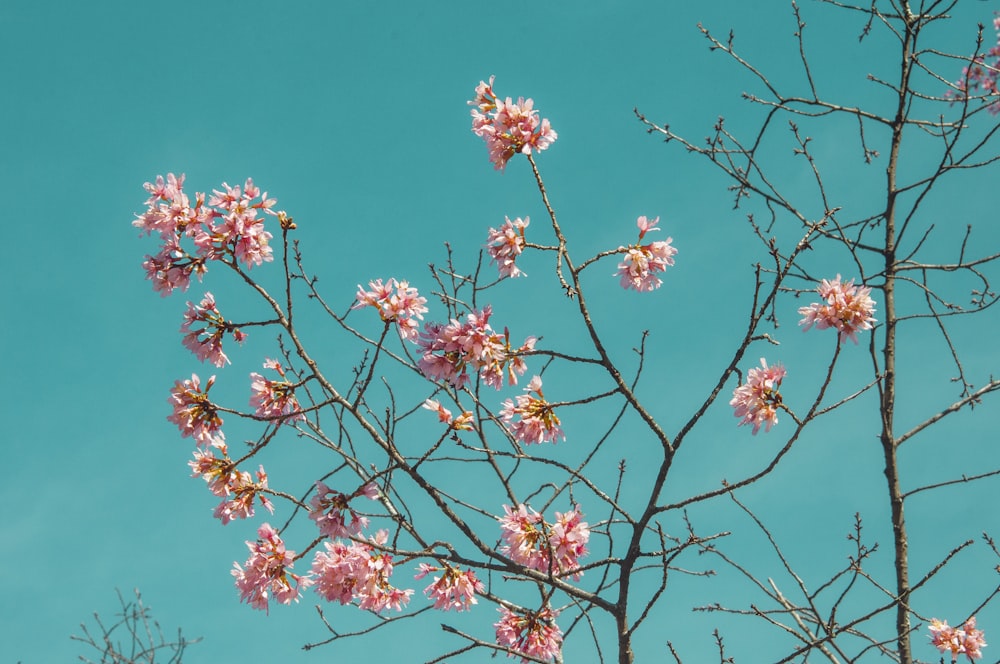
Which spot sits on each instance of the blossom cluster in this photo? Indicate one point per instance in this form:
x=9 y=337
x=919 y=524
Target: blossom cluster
x=450 y=351
x=980 y=78
x=551 y=548
x=274 y=399
x=226 y=228
x=537 y=421
x=965 y=640
x=242 y=491
x=508 y=127
x=642 y=261
x=454 y=589
x=327 y=508
x=265 y=573
x=358 y=571
x=757 y=400
x=194 y=414
x=396 y=301
x=205 y=341
x=533 y=633
x=505 y=244
x=845 y=307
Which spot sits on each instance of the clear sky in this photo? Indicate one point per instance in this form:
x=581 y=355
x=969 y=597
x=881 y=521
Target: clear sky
x=354 y=116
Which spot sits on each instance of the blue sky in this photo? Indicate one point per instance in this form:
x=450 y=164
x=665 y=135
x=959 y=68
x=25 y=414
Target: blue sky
x=353 y=116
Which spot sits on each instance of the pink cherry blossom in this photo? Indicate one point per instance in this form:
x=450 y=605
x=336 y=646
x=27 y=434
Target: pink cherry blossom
x=757 y=401
x=217 y=472
x=236 y=487
x=464 y=422
x=965 y=640
x=508 y=127
x=172 y=268
x=206 y=341
x=328 y=507
x=194 y=414
x=454 y=589
x=845 y=307
x=168 y=209
x=536 y=420
x=227 y=227
x=396 y=301
x=265 y=573
x=450 y=351
x=551 y=548
x=241 y=491
x=532 y=633
x=245 y=233
x=232 y=199
x=505 y=244
x=568 y=538
x=337 y=571
x=274 y=399
x=241 y=232
x=642 y=261
x=358 y=571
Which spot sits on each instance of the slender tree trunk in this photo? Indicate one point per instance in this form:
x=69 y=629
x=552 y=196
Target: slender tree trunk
x=888 y=392
x=625 y=654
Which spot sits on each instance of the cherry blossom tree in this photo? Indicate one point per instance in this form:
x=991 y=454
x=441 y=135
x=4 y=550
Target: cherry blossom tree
x=547 y=531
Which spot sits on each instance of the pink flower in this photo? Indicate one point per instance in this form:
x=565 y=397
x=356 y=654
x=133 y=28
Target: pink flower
x=265 y=573
x=508 y=127
x=568 y=539
x=463 y=422
x=168 y=209
x=274 y=399
x=452 y=590
x=327 y=508
x=554 y=549
x=532 y=633
x=642 y=261
x=965 y=640
x=194 y=414
x=449 y=351
x=358 y=571
x=231 y=200
x=537 y=421
x=243 y=232
x=235 y=487
x=506 y=244
x=239 y=232
x=217 y=472
x=206 y=342
x=172 y=268
x=397 y=302
x=757 y=401
x=240 y=492
x=846 y=307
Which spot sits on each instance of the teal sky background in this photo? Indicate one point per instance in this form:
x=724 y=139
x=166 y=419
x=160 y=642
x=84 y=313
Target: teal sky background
x=354 y=116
